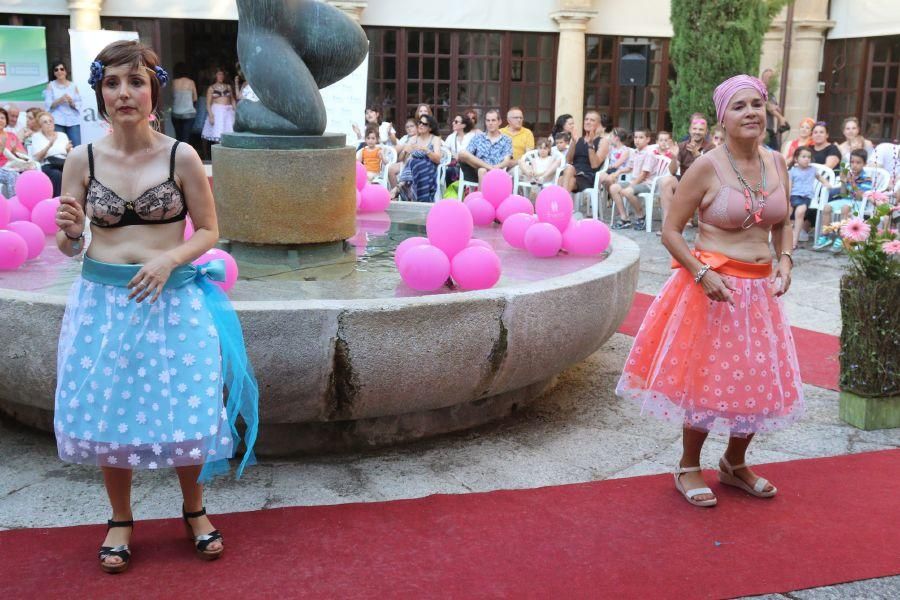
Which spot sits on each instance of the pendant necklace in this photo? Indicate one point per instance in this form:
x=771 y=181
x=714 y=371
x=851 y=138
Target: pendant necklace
x=756 y=193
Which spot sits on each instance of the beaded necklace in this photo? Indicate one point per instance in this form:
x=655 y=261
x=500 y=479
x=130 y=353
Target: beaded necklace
x=756 y=193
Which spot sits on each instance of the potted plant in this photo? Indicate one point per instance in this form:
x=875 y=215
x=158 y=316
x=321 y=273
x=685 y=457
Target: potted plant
x=870 y=316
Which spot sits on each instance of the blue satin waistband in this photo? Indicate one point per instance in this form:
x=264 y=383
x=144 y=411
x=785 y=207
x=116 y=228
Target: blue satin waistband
x=120 y=274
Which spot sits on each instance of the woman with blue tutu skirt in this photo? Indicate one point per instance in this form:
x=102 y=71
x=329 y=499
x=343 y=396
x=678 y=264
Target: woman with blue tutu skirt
x=150 y=347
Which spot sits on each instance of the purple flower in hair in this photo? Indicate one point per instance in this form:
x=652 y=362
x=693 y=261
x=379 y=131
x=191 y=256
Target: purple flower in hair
x=162 y=76
x=96 y=73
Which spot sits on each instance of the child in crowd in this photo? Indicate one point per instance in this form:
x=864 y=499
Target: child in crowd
x=619 y=155
x=855 y=182
x=371 y=156
x=718 y=136
x=542 y=168
x=643 y=166
x=561 y=145
x=664 y=145
x=803 y=180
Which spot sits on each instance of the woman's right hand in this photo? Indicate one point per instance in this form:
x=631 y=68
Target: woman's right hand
x=717 y=288
x=211 y=119
x=70 y=216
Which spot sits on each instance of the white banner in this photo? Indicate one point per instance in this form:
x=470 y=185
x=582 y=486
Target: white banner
x=85 y=46
x=345 y=103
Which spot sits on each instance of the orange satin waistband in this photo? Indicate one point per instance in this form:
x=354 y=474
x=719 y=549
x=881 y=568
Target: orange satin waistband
x=729 y=266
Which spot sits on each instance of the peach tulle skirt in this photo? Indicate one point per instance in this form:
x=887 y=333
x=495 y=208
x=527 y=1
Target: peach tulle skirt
x=712 y=366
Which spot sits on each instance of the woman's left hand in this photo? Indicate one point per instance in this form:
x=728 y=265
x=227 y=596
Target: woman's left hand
x=152 y=278
x=783 y=272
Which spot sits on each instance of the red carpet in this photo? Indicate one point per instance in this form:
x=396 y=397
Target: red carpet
x=816 y=352
x=835 y=520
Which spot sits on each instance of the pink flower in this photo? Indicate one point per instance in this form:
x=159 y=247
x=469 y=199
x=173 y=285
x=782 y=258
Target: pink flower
x=856 y=230
x=877 y=197
x=892 y=247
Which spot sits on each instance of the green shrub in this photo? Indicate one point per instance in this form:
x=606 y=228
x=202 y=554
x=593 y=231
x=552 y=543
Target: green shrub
x=713 y=40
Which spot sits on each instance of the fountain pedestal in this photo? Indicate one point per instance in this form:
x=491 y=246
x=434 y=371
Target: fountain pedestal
x=273 y=189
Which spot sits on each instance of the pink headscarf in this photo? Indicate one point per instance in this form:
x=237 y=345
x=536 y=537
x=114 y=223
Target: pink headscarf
x=728 y=88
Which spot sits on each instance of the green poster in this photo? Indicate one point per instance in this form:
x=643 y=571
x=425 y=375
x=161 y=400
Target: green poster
x=23 y=63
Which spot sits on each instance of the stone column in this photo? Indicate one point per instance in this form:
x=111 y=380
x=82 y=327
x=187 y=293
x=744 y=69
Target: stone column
x=807 y=49
x=572 y=21
x=84 y=15
x=353 y=8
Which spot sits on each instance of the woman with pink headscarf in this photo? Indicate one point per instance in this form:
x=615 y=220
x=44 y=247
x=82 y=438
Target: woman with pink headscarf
x=715 y=352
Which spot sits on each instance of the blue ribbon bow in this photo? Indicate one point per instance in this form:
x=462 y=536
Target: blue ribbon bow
x=214 y=270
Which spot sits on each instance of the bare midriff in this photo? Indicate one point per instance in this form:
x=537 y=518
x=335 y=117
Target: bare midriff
x=134 y=244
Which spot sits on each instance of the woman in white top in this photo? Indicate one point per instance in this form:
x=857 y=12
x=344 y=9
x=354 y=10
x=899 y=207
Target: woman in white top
x=386 y=133
x=184 y=98
x=404 y=147
x=853 y=140
x=461 y=134
x=50 y=147
x=62 y=100
x=459 y=138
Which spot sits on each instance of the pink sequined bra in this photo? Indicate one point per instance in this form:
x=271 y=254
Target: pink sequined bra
x=728 y=210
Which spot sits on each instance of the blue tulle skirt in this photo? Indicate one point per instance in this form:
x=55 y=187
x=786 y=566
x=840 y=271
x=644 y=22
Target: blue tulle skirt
x=143 y=386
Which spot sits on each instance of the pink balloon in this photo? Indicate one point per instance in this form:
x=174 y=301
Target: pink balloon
x=475 y=268
x=449 y=225
x=514 y=229
x=554 y=206
x=482 y=210
x=496 y=185
x=480 y=243
x=406 y=245
x=44 y=215
x=512 y=205
x=374 y=198
x=188 y=228
x=231 y=268
x=32 y=234
x=17 y=212
x=586 y=237
x=5 y=212
x=32 y=187
x=362 y=178
x=543 y=240
x=424 y=268
x=13 y=250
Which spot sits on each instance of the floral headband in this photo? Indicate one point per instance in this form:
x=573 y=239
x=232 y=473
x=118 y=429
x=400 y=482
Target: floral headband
x=97 y=74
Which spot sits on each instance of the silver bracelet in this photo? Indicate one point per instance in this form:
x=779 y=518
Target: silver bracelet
x=703 y=270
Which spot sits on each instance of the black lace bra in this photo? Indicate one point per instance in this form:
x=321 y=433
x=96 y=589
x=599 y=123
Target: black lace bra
x=162 y=203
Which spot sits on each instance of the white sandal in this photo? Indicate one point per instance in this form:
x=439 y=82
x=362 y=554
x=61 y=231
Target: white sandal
x=690 y=494
x=727 y=476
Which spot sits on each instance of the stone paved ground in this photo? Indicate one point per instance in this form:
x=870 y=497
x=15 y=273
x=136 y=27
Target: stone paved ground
x=577 y=432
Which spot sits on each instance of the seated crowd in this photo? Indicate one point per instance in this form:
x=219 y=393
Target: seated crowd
x=620 y=165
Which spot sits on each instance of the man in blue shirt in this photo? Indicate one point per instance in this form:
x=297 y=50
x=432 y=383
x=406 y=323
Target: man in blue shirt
x=488 y=150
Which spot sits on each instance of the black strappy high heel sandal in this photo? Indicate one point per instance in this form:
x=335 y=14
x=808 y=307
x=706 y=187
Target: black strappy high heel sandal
x=202 y=542
x=121 y=551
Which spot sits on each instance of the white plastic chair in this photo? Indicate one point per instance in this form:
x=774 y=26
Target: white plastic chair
x=388 y=157
x=440 y=188
x=821 y=195
x=881 y=180
x=463 y=184
x=662 y=168
x=525 y=185
x=593 y=193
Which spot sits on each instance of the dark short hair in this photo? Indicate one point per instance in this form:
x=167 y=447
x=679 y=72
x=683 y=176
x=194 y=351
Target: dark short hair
x=55 y=64
x=371 y=131
x=860 y=153
x=181 y=70
x=645 y=131
x=4 y=112
x=563 y=135
x=663 y=132
x=606 y=121
x=495 y=111
x=432 y=122
x=129 y=53
x=466 y=122
x=802 y=149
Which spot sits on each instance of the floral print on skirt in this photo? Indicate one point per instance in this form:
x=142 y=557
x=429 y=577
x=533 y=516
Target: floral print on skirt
x=140 y=385
x=712 y=366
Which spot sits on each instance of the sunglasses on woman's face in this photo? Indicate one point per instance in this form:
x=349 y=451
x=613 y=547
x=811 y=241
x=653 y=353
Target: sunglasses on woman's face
x=59 y=69
x=425 y=123
x=457 y=121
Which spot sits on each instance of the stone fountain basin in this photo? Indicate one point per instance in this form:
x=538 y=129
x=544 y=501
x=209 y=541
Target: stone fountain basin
x=343 y=374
